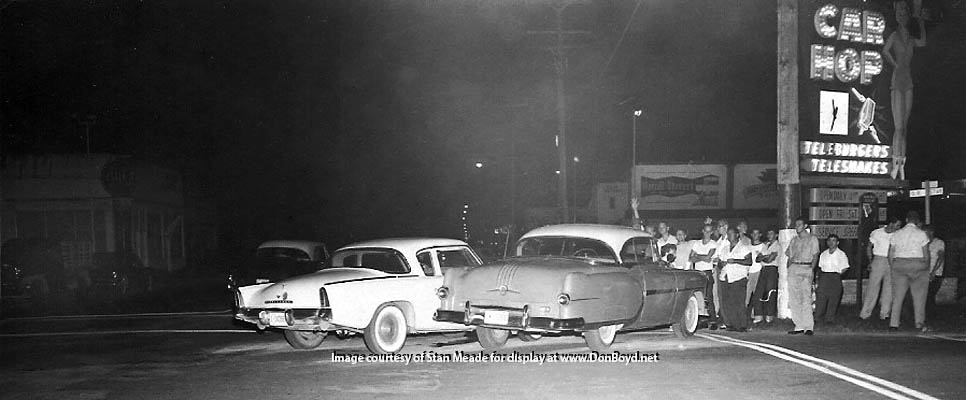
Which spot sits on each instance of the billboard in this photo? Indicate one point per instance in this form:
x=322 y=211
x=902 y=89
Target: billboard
x=681 y=186
x=845 y=116
x=756 y=186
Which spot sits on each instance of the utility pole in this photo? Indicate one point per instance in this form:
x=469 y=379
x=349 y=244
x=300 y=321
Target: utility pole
x=789 y=181
x=560 y=67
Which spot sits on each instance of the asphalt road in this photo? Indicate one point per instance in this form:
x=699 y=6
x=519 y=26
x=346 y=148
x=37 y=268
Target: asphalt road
x=207 y=356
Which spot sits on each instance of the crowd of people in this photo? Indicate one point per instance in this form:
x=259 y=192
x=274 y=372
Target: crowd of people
x=741 y=265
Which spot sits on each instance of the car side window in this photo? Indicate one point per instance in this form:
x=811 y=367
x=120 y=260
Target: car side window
x=638 y=250
x=320 y=253
x=425 y=259
x=456 y=258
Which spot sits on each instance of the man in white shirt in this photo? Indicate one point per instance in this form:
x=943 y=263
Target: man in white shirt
x=833 y=262
x=702 y=253
x=723 y=245
x=756 y=246
x=879 y=288
x=937 y=259
x=909 y=259
x=682 y=257
x=666 y=237
x=734 y=280
x=765 y=300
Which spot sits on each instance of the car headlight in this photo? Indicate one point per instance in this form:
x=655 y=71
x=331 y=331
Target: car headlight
x=442 y=292
x=563 y=299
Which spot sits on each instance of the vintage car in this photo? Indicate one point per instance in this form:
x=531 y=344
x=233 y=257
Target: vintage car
x=589 y=279
x=384 y=289
x=275 y=260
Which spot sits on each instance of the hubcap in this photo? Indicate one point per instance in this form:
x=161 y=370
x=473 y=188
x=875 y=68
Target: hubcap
x=691 y=315
x=388 y=329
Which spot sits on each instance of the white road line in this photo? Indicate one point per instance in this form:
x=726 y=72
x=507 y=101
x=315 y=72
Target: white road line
x=95 y=333
x=874 y=379
x=108 y=316
x=935 y=336
x=887 y=388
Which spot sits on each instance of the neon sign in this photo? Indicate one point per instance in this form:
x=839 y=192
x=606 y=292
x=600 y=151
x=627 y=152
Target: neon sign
x=849 y=64
x=844 y=114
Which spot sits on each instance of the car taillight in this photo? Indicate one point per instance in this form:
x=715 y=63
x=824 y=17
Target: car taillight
x=238 y=300
x=323 y=298
x=442 y=292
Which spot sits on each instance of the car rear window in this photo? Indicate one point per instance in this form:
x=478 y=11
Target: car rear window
x=565 y=247
x=283 y=252
x=385 y=260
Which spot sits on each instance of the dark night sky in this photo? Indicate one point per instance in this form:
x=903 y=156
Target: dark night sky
x=365 y=117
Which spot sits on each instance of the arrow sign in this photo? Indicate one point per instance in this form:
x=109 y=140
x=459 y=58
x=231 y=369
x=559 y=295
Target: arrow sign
x=936 y=191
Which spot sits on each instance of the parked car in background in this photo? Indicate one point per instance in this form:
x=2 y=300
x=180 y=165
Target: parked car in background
x=11 y=278
x=383 y=289
x=119 y=274
x=34 y=267
x=594 y=280
x=279 y=259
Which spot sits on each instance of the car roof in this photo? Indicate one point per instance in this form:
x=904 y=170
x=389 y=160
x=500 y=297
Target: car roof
x=406 y=245
x=614 y=235
x=304 y=245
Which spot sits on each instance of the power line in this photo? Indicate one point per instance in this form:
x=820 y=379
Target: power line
x=620 y=40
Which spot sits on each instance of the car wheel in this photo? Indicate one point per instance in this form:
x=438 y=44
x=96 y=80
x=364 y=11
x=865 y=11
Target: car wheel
x=600 y=339
x=688 y=324
x=529 y=336
x=386 y=332
x=304 y=340
x=492 y=339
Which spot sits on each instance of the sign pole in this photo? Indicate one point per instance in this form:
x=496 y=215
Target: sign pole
x=926 y=185
x=789 y=183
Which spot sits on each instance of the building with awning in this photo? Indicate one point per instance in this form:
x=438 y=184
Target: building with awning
x=96 y=203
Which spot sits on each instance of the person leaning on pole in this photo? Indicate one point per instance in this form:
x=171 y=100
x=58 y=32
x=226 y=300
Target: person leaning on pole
x=765 y=300
x=802 y=258
x=909 y=260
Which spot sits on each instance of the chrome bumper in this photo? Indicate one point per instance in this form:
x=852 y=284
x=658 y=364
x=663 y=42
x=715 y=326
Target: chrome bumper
x=517 y=319
x=301 y=319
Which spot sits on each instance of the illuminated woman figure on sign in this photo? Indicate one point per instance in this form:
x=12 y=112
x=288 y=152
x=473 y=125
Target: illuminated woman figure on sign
x=909 y=33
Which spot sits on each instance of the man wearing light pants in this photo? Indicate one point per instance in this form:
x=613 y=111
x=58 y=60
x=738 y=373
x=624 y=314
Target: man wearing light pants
x=802 y=257
x=880 y=275
x=909 y=259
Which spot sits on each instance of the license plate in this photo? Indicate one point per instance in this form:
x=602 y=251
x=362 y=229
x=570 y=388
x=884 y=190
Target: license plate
x=496 y=317
x=277 y=319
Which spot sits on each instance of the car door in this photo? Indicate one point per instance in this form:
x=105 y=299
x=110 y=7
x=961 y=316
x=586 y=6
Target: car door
x=659 y=281
x=442 y=259
x=660 y=292
x=422 y=292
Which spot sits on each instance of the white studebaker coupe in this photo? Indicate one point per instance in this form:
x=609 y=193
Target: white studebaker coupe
x=384 y=289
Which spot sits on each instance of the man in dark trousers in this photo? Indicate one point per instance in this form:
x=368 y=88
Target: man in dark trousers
x=833 y=262
x=702 y=254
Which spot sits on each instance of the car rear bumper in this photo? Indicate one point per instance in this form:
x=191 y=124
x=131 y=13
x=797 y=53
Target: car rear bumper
x=516 y=318
x=302 y=319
